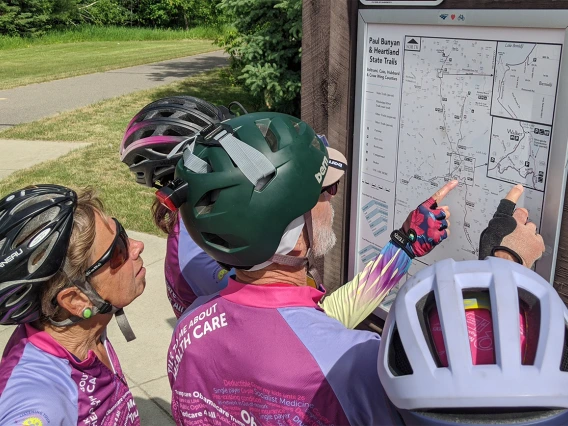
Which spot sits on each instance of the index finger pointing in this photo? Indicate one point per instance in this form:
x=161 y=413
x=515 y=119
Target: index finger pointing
x=445 y=190
x=515 y=193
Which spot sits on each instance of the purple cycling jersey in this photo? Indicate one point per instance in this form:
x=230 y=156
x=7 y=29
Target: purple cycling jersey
x=41 y=383
x=190 y=272
x=268 y=355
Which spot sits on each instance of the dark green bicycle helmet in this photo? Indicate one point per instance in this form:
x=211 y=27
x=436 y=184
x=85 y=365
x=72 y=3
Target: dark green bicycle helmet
x=247 y=179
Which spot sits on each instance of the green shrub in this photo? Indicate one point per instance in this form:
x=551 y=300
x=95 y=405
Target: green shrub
x=265 y=48
x=104 y=12
x=26 y=18
x=178 y=13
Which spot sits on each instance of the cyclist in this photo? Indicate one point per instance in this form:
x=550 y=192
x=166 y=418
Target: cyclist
x=244 y=189
x=146 y=148
x=479 y=342
x=65 y=269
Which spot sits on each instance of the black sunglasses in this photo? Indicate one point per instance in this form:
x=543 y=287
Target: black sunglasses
x=331 y=189
x=117 y=253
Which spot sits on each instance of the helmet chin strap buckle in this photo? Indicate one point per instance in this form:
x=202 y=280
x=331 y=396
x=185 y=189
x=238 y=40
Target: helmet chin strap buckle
x=207 y=136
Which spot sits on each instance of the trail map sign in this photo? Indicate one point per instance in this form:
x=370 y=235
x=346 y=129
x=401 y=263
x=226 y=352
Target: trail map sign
x=478 y=96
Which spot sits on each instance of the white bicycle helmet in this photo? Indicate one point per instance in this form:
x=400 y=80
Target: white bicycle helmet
x=515 y=389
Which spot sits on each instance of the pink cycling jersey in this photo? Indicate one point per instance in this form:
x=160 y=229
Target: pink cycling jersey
x=268 y=355
x=41 y=383
x=190 y=272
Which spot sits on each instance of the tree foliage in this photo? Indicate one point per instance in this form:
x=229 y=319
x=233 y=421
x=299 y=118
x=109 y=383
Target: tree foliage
x=265 y=49
x=178 y=13
x=34 y=17
x=26 y=17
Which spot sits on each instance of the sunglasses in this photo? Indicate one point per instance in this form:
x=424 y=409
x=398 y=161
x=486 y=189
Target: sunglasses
x=331 y=189
x=117 y=253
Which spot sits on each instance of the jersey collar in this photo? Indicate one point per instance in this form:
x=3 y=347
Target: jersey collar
x=46 y=343
x=277 y=295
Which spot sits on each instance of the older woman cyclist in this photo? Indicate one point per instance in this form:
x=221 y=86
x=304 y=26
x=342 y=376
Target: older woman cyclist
x=65 y=269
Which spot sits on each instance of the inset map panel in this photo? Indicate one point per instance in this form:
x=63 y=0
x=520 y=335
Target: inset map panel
x=519 y=152
x=526 y=77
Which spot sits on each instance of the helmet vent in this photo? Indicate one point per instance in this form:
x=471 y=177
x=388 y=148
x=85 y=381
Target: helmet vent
x=145 y=133
x=262 y=183
x=137 y=160
x=206 y=203
x=35 y=225
x=33 y=200
x=398 y=360
x=297 y=127
x=193 y=118
x=206 y=110
x=271 y=139
x=172 y=131
x=18 y=295
x=23 y=310
x=530 y=311
x=216 y=240
x=564 y=359
x=316 y=143
x=42 y=253
x=424 y=308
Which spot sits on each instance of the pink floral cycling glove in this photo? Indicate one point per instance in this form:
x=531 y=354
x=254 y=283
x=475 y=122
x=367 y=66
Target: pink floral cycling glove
x=423 y=230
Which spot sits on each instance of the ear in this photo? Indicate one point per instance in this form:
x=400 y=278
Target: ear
x=73 y=301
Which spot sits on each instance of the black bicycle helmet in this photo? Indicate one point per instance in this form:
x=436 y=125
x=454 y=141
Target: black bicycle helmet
x=35 y=229
x=157 y=129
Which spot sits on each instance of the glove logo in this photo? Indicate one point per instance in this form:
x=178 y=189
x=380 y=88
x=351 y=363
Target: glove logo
x=322 y=171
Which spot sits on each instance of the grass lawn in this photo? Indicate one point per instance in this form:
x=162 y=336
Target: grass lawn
x=83 y=33
x=39 y=63
x=98 y=165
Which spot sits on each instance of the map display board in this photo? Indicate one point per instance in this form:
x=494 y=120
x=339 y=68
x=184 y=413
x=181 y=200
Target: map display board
x=467 y=102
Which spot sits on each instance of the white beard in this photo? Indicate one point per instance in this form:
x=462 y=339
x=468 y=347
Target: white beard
x=324 y=237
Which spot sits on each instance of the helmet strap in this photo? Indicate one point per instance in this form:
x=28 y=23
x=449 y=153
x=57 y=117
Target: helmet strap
x=100 y=306
x=309 y=259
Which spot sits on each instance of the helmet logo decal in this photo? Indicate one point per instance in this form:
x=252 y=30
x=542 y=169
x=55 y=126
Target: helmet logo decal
x=39 y=237
x=322 y=171
x=11 y=257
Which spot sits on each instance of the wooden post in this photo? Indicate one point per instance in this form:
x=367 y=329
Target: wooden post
x=328 y=85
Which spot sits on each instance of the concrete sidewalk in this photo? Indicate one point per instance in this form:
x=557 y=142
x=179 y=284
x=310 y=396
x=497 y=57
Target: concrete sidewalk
x=35 y=101
x=20 y=154
x=144 y=359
